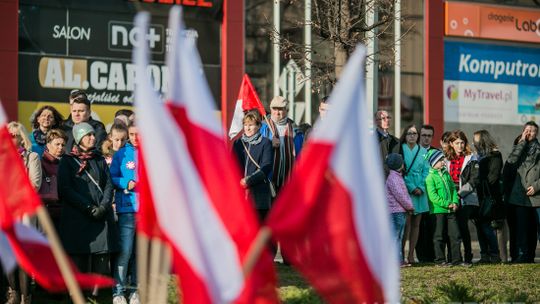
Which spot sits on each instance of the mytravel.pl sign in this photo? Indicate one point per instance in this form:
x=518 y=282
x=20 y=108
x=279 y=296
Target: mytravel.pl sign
x=491 y=84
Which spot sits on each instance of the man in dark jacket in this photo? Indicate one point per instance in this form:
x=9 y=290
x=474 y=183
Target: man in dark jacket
x=80 y=110
x=524 y=194
x=388 y=143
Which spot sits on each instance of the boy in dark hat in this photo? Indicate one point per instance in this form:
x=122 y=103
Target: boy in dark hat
x=443 y=201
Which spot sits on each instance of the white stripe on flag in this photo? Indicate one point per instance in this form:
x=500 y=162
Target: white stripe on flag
x=182 y=206
x=7 y=258
x=365 y=180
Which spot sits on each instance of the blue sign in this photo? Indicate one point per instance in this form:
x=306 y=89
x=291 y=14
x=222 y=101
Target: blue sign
x=491 y=63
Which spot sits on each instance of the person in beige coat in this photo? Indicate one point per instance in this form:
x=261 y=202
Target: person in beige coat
x=19 y=283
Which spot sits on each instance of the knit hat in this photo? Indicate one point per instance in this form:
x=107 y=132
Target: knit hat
x=81 y=130
x=279 y=102
x=394 y=161
x=434 y=156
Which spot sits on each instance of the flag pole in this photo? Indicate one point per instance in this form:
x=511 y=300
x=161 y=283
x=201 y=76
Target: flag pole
x=60 y=256
x=142 y=266
x=164 y=270
x=255 y=250
x=156 y=249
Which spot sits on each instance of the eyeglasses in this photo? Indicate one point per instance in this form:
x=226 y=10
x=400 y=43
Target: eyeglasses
x=385 y=118
x=427 y=135
x=412 y=133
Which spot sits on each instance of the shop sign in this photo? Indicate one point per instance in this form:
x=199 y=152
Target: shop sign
x=491 y=83
x=492 y=22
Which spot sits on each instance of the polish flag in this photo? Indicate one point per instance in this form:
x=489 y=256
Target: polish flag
x=25 y=244
x=193 y=183
x=247 y=100
x=332 y=219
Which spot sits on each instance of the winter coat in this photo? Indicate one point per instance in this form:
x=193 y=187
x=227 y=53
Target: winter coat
x=525 y=158
x=33 y=168
x=49 y=165
x=99 y=128
x=124 y=170
x=257 y=180
x=387 y=145
x=468 y=180
x=38 y=148
x=441 y=191
x=489 y=175
x=397 y=194
x=79 y=231
x=415 y=176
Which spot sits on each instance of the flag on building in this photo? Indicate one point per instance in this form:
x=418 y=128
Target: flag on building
x=247 y=100
x=331 y=219
x=193 y=183
x=25 y=244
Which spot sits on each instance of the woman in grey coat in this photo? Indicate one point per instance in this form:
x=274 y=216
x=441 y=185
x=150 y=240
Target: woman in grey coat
x=87 y=228
x=524 y=194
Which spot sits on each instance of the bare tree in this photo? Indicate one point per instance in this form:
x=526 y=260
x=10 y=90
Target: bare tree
x=338 y=26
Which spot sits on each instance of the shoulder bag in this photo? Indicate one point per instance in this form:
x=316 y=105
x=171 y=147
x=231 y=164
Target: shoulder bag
x=273 y=192
x=487 y=203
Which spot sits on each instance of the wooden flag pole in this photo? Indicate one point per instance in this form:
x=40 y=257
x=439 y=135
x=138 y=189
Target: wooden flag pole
x=142 y=266
x=164 y=271
x=60 y=256
x=156 y=247
x=255 y=250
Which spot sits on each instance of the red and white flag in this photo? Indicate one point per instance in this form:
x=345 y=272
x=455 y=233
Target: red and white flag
x=332 y=219
x=247 y=100
x=193 y=183
x=25 y=244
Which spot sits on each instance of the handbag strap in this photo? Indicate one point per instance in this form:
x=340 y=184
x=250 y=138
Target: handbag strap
x=249 y=155
x=90 y=176
x=412 y=162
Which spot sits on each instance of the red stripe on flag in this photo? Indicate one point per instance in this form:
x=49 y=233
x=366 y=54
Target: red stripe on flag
x=146 y=215
x=313 y=221
x=220 y=175
x=17 y=196
x=37 y=259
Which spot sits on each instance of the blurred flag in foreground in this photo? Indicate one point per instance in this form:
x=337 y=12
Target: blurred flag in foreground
x=331 y=219
x=192 y=182
x=25 y=244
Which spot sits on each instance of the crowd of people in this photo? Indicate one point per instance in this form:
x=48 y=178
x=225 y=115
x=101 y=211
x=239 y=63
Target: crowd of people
x=87 y=180
x=434 y=194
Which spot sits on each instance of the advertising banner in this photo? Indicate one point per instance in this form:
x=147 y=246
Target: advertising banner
x=87 y=45
x=492 y=22
x=491 y=84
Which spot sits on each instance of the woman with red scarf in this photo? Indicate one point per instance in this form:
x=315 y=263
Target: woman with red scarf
x=87 y=227
x=463 y=168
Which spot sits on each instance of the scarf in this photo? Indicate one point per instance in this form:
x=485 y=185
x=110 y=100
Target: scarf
x=253 y=139
x=49 y=163
x=285 y=155
x=39 y=136
x=83 y=157
x=21 y=151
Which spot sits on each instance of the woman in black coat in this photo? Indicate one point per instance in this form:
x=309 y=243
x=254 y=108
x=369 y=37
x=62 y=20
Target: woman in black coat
x=87 y=228
x=257 y=169
x=489 y=174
